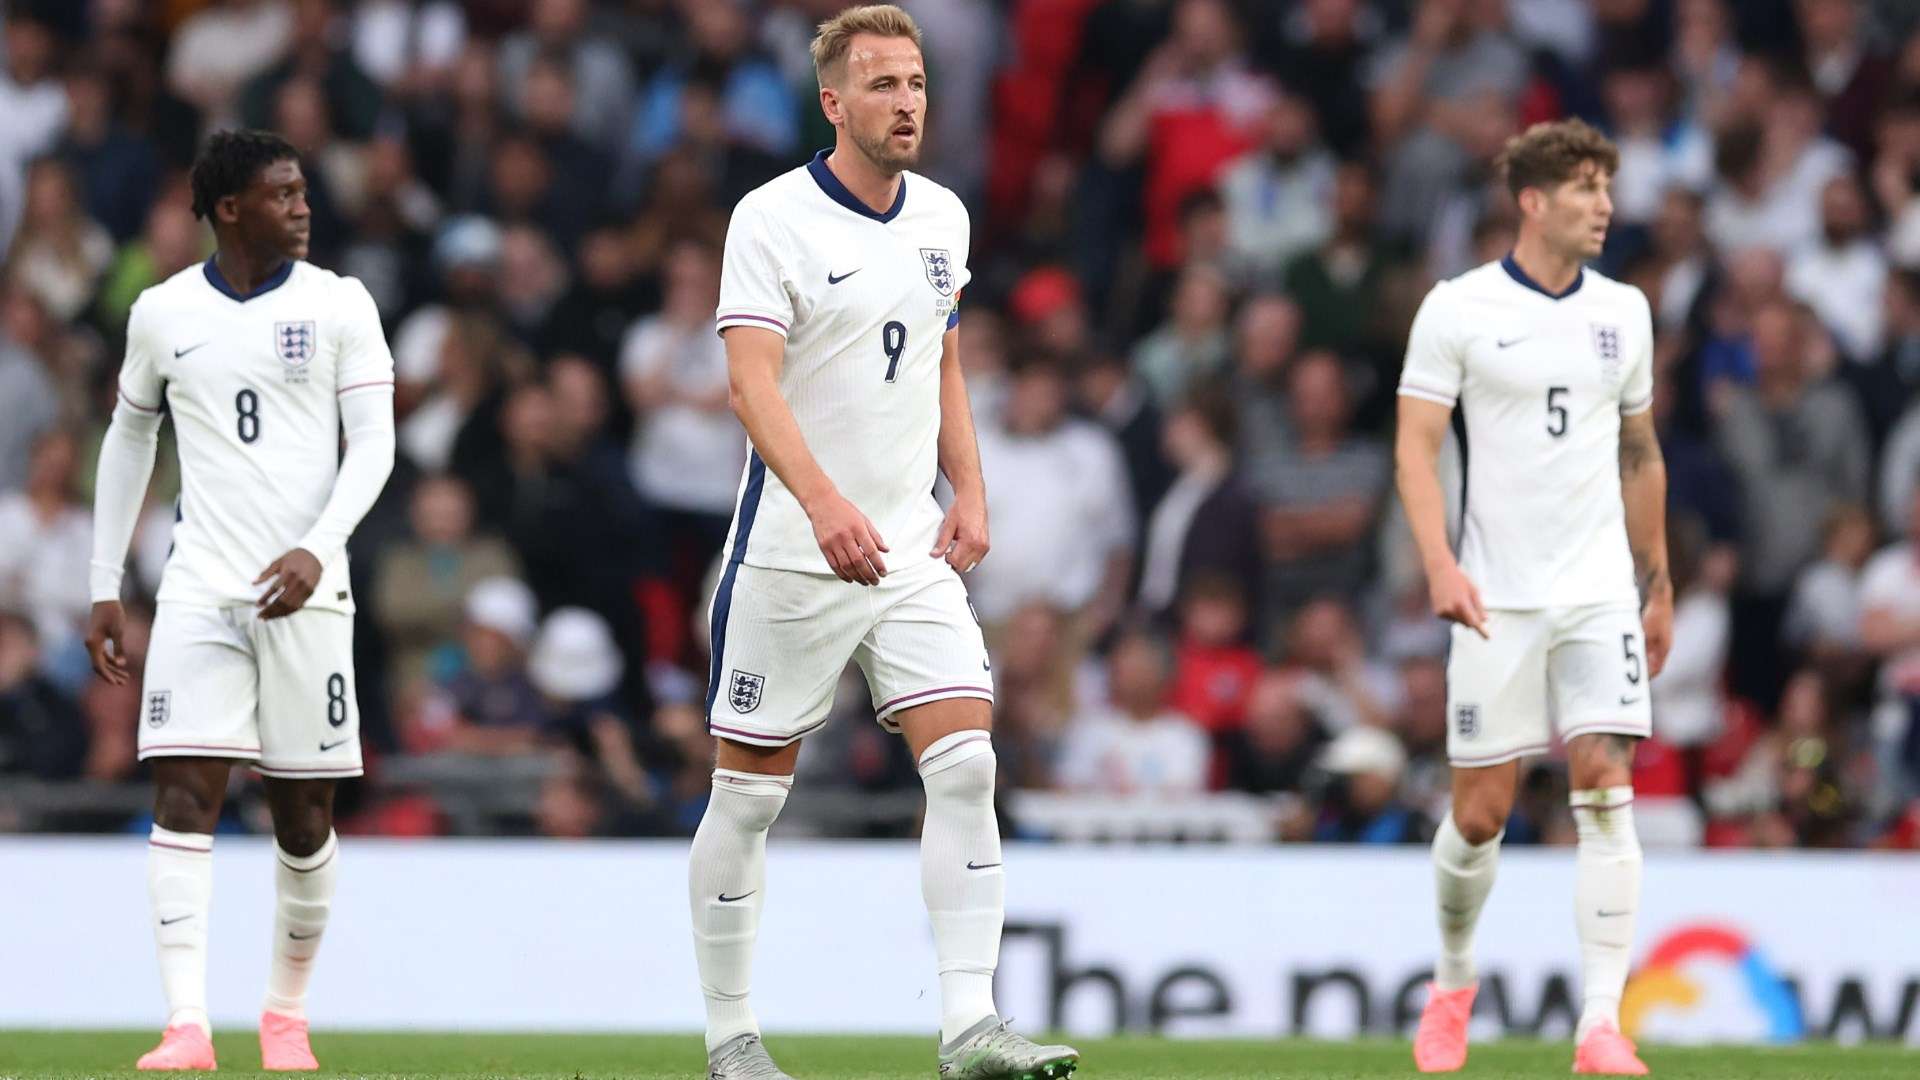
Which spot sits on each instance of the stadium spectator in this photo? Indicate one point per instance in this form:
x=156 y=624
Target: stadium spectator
x=326 y=62
x=1798 y=447
x=687 y=450
x=218 y=48
x=1204 y=526
x=602 y=79
x=1062 y=515
x=1278 y=195
x=1688 y=699
x=421 y=583
x=1843 y=275
x=1822 y=622
x=1274 y=751
x=1134 y=743
x=1214 y=667
x=46 y=534
x=1321 y=498
x=1265 y=336
x=170 y=241
x=118 y=168
x=1338 y=284
x=578 y=670
x=1363 y=804
x=1340 y=683
x=33 y=404
x=41 y=732
x=35 y=106
x=1114 y=398
x=409 y=48
x=59 y=254
x=1191 y=346
x=1321 y=49
x=489 y=706
x=759 y=109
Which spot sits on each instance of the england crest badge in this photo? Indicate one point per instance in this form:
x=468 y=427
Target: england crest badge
x=939 y=265
x=1606 y=343
x=294 y=343
x=743 y=690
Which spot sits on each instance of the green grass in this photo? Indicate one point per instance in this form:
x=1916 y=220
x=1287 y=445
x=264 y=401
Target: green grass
x=35 y=1054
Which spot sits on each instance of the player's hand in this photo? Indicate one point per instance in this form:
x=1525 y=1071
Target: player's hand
x=848 y=539
x=963 y=535
x=294 y=576
x=1656 y=622
x=1456 y=599
x=107 y=625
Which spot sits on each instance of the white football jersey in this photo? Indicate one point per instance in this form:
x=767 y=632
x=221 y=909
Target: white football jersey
x=864 y=300
x=1542 y=382
x=254 y=386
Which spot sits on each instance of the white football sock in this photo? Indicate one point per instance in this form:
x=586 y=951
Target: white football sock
x=1606 y=899
x=1463 y=876
x=726 y=885
x=180 y=886
x=961 y=875
x=303 y=895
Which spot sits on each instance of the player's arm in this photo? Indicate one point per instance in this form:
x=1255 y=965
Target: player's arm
x=364 y=386
x=1643 y=489
x=849 y=541
x=963 y=535
x=1422 y=429
x=119 y=488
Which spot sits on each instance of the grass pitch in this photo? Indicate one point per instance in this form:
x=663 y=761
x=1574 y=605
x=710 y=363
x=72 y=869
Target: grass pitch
x=63 y=1055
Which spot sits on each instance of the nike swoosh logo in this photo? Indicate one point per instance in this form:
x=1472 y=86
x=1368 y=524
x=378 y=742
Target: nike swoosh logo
x=1504 y=342
x=982 y=866
x=178 y=353
x=175 y=919
x=326 y=746
x=1612 y=914
x=832 y=280
x=1629 y=701
x=725 y=899
x=303 y=937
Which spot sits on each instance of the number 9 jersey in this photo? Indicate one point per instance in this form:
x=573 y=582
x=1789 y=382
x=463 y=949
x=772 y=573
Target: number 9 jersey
x=863 y=299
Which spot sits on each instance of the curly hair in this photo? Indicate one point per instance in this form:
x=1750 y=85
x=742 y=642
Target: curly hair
x=1548 y=154
x=231 y=161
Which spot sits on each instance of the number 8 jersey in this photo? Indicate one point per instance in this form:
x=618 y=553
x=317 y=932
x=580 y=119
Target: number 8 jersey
x=1541 y=381
x=254 y=384
x=863 y=299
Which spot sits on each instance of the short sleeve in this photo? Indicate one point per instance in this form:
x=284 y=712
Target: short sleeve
x=753 y=280
x=365 y=363
x=1636 y=396
x=141 y=385
x=1433 y=371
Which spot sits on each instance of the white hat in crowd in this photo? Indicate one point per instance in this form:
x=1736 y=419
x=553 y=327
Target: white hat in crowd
x=576 y=658
x=1364 y=749
x=504 y=604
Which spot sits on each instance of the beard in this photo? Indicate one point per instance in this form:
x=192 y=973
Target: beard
x=881 y=151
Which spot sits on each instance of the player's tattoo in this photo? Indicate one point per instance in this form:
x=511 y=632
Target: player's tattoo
x=1639 y=448
x=1617 y=749
x=1650 y=574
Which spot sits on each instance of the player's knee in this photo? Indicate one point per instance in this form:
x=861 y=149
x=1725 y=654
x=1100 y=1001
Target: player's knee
x=1479 y=823
x=186 y=807
x=961 y=766
x=303 y=832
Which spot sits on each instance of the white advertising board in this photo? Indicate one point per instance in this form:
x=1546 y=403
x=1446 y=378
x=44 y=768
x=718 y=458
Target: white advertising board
x=1236 y=941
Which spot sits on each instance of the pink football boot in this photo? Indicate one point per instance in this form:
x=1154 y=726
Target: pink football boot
x=1606 y=1052
x=283 y=1044
x=184 y=1047
x=1441 y=1043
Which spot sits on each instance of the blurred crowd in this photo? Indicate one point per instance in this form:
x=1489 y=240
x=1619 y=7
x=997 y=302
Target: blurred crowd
x=1201 y=230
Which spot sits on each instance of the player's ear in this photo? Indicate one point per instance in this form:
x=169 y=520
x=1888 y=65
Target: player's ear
x=830 y=105
x=226 y=209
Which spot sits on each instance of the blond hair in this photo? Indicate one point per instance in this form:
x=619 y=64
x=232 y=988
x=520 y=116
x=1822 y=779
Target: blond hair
x=836 y=36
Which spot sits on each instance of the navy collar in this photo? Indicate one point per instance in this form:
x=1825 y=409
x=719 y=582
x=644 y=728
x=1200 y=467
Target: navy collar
x=1513 y=271
x=218 y=281
x=838 y=192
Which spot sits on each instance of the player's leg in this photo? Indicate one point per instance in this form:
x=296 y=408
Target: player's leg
x=779 y=641
x=926 y=666
x=309 y=741
x=197 y=718
x=306 y=869
x=1599 y=680
x=188 y=792
x=1497 y=714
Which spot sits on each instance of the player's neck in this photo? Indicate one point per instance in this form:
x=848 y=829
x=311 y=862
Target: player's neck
x=1550 y=270
x=243 y=271
x=869 y=183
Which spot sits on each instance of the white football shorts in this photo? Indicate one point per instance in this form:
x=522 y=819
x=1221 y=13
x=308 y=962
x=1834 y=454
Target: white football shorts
x=781 y=638
x=1576 y=670
x=221 y=682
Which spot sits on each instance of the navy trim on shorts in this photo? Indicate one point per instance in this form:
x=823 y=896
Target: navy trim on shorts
x=723 y=595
